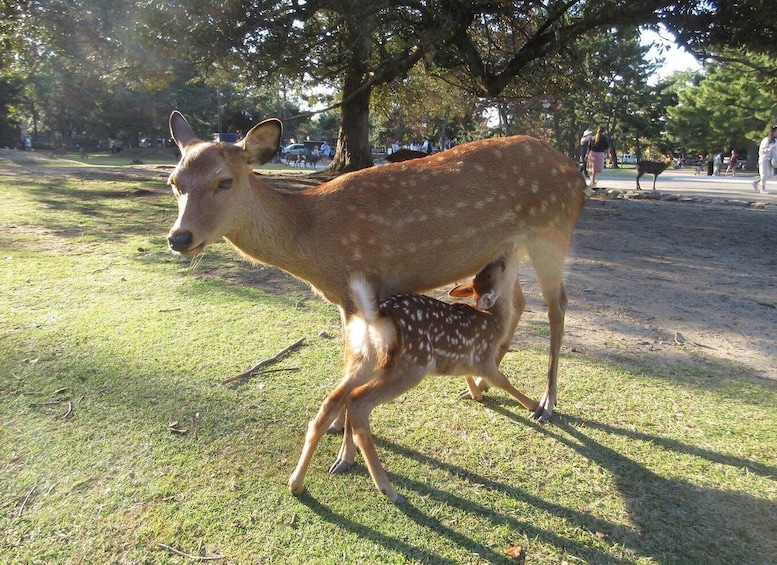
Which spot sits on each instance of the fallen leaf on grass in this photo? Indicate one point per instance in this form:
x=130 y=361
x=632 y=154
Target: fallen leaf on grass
x=173 y=428
x=516 y=552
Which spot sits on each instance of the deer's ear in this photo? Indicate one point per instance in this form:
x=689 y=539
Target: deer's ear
x=464 y=290
x=262 y=142
x=487 y=300
x=182 y=132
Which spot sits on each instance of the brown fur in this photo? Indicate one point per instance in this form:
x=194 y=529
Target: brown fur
x=654 y=168
x=404 y=227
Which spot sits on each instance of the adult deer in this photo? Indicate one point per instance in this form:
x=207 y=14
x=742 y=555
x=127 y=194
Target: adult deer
x=654 y=168
x=404 y=227
x=394 y=344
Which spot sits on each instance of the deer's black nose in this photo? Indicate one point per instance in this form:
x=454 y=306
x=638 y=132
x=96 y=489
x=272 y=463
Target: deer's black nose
x=180 y=241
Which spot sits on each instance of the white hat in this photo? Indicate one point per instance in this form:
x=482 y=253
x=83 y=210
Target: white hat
x=587 y=132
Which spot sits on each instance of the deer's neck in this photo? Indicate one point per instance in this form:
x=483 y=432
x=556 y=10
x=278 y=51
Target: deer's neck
x=278 y=228
x=501 y=313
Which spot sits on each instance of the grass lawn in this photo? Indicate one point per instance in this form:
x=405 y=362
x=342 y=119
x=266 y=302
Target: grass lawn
x=119 y=444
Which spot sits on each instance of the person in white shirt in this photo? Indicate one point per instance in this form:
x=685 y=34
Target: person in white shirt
x=767 y=156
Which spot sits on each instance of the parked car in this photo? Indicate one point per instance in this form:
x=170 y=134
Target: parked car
x=224 y=136
x=627 y=159
x=294 y=149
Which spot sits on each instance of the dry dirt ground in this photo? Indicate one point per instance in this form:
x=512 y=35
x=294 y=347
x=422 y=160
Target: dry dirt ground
x=662 y=281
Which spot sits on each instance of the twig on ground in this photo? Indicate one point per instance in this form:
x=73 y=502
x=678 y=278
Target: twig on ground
x=20 y=511
x=69 y=410
x=253 y=370
x=189 y=556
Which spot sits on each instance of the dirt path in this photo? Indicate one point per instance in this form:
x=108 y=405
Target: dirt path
x=673 y=281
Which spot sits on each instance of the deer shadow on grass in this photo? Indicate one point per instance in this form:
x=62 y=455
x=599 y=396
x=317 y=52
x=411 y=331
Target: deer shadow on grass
x=671 y=520
x=487 y=513
x=674 y=520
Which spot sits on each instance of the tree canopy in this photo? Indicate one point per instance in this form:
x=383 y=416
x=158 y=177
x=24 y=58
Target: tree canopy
x=87 y=65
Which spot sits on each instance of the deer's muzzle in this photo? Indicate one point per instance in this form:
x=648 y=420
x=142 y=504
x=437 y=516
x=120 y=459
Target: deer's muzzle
x=180 y=241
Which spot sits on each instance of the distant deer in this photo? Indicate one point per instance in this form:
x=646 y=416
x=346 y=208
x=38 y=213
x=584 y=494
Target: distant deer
x=394 y=344
x=295 y=159
x=654 y=168
x=405 y=155
x=403 y=227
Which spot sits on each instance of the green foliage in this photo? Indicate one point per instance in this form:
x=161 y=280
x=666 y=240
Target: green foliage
x=117 y=70
x=731 y=106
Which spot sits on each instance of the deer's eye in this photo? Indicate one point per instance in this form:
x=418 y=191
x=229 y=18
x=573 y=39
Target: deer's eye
x=225 y=184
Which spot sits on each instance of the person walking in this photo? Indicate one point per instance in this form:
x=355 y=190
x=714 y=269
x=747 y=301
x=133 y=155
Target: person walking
x=585 y=144
x=597 y=152
x=767 y=158
x=732 y=163
x=718 y=163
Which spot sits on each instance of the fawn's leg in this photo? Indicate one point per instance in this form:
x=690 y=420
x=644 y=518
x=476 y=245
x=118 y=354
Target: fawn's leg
x=347 y=454
x=475 y=389
x=498 y=379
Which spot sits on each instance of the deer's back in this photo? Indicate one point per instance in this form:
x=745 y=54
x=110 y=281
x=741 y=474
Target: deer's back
x=394 y=221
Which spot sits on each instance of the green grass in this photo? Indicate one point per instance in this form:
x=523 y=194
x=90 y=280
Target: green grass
x=97 y=319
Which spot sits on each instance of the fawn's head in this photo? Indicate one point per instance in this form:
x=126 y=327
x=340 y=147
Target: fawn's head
x=212 y=181
x=493 y=282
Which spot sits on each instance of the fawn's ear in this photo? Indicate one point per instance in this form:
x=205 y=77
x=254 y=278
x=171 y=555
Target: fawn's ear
x=262 y=142
x=487 y=300
x=182 y=132
x=464 y=290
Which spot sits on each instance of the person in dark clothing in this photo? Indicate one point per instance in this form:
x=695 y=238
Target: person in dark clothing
x=597 y=153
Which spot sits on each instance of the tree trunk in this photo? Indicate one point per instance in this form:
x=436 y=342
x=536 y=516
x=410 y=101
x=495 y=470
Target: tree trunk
x=353 y=142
